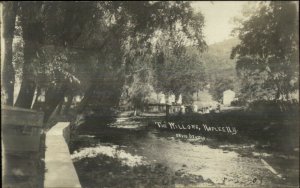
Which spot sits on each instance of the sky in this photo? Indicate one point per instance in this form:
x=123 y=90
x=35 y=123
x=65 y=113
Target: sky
x=218 y=18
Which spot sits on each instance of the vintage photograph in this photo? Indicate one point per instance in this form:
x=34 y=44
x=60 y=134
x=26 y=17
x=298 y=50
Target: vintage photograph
x=149 y=94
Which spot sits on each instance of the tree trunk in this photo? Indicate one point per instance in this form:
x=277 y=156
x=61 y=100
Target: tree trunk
x=60 y=107
x=36 y=104
x=33 y=36
x=28 y=85
x=167 y=110
x=87 y=95
x=8 y=73
x=9 y=13
x=54 y=96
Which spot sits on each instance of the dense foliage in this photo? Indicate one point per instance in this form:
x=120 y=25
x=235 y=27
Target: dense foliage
x=268 y=55
x=93 y=48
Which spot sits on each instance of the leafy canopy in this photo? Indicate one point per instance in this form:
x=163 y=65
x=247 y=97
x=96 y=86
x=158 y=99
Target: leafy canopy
x=267 y=56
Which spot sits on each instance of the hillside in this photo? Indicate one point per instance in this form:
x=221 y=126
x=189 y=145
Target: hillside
x=219 y=68
x=217 y=59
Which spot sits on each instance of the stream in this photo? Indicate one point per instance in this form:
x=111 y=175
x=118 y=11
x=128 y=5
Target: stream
x=134 y=143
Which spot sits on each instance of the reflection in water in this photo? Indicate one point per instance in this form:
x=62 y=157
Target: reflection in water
x=215 y=164
x=143 y=145
x=111 y=151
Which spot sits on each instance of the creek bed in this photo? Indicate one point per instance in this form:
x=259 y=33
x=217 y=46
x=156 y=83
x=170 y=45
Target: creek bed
x=128 y=152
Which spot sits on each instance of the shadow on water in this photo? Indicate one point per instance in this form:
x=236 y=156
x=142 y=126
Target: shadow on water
x=130 y=150
x=104 y=131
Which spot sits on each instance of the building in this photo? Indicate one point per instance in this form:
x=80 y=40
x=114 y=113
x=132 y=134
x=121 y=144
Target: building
x=228 y=97
x=161 y=98
x=179 y=101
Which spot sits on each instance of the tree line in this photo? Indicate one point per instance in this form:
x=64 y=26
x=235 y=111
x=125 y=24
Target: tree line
x=108 y=51
x=97 y=49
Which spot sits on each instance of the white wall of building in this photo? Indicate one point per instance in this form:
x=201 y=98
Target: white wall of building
x=228 y=97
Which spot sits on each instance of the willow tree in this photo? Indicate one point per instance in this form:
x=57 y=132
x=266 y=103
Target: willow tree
x=137 y=27
x=33 y=36
x=93 y=36
x=149 y=68
x=50 y=32
x=180 y=74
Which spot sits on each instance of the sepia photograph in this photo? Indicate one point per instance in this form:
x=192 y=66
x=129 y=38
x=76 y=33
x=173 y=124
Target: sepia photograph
x=149 y=94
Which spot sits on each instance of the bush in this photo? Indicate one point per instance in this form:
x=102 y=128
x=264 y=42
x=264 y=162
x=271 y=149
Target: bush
x=238 y=103
x=274 y=106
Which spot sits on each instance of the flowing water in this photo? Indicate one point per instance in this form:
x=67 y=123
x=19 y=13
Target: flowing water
x=135 y=143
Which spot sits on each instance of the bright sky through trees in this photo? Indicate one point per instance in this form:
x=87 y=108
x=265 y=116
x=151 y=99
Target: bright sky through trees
x=218 y=18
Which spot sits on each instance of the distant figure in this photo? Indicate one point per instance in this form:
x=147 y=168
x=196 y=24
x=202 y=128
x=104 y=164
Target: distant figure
x=206 y=110
x=218 y=107
x=201 y=110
